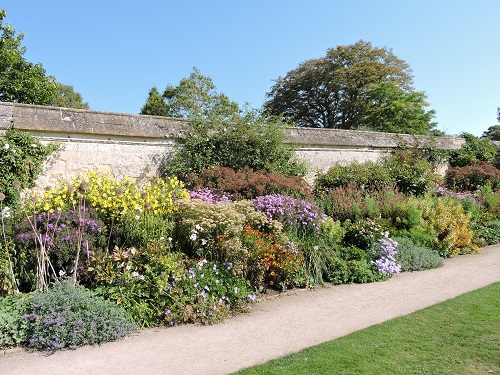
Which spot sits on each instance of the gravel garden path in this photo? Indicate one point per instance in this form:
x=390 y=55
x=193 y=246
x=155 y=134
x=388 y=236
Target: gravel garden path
x=276 y=326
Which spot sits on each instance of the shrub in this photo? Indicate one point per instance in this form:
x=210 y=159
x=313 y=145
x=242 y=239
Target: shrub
x=414 y=257
x=471 y=178
x=343 y=271
x=248 y=184
x=21 y=158
x=369 y=175
x=445 y=220
x=362 y=234
x=474 y=151
x=487 y=234
x=343 y=203
x=294 y=214
x=67 y=317
x=411 y=171
x=249 y=141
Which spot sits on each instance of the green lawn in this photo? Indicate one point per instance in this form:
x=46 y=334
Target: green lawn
x=459 y=336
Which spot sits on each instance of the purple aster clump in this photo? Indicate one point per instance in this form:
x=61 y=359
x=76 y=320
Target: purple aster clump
x=460 y=195
x=209 y=195
x=386 y=263
x=296 y=213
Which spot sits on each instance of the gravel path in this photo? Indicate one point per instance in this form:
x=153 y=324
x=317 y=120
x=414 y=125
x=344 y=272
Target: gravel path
x=275 y=327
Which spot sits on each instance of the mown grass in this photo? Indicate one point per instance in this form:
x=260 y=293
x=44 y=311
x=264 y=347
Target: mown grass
x=459 y=336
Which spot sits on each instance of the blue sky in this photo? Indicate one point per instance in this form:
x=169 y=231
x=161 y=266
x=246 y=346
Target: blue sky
x=113 y=52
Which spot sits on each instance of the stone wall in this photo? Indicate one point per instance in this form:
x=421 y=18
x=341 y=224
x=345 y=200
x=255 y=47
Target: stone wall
x=135 y=145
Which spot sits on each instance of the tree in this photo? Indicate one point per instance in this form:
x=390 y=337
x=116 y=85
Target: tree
x=20 y=80
x=195 y=97
x=394 y=110
x=330 y=92
x=67 y=97
x=155 y=105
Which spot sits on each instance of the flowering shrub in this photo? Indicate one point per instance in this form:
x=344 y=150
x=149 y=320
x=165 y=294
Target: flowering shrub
x=112 y=198
x=213 y=231
x=298 y=214
x=272 y=263
x=21 y=158
x=248 y=184
x=206 y=293
x=362 y=234
x=386 y=248
x=67 y=317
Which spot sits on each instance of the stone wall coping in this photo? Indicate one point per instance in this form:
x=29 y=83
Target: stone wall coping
x=76 y=123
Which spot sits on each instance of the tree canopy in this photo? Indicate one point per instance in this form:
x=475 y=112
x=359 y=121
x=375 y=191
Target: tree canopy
x=20 y=80
x=339 y=89
x=67 y=97
x=195 y=97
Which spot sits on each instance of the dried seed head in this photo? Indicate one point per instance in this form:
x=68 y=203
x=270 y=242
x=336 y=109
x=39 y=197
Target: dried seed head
x=119 y=191
x=48 y=187
x=34 y=199
x=147 y=206
x=84 y=186
x=16 y=184
x=144 y=195
x=2 y=197
x=71 y=189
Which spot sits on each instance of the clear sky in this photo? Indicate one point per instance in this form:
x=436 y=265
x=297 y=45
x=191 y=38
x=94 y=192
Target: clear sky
x=113 y=52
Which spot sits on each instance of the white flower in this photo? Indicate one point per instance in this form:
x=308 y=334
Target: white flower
x=135 y=274
x=6 y=146
x=33 y=145
x=132 y=251
x=197 y=227
x=193 y=236
x=5 y=212
x=128 y=267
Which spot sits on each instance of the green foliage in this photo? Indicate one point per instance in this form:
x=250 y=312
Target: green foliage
x=414 y=257
x=213 y=231
x=206 y=293
x=411 y=170
x=67 y=317
x=138 y=229
x=487 y=234
x=13 y=327
x=20 y=80
x=493 y=133
x=472 y=177
x=332 y=230
x=137 y=279
x=155 y=104
x=474 y=151
x=330 y=92
x=352 y=265
x=244 y=142
x=395 y=110
x=444 y=219
x=21 y=160
x=248 y=184
x=67 y=97
x=368 y=175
